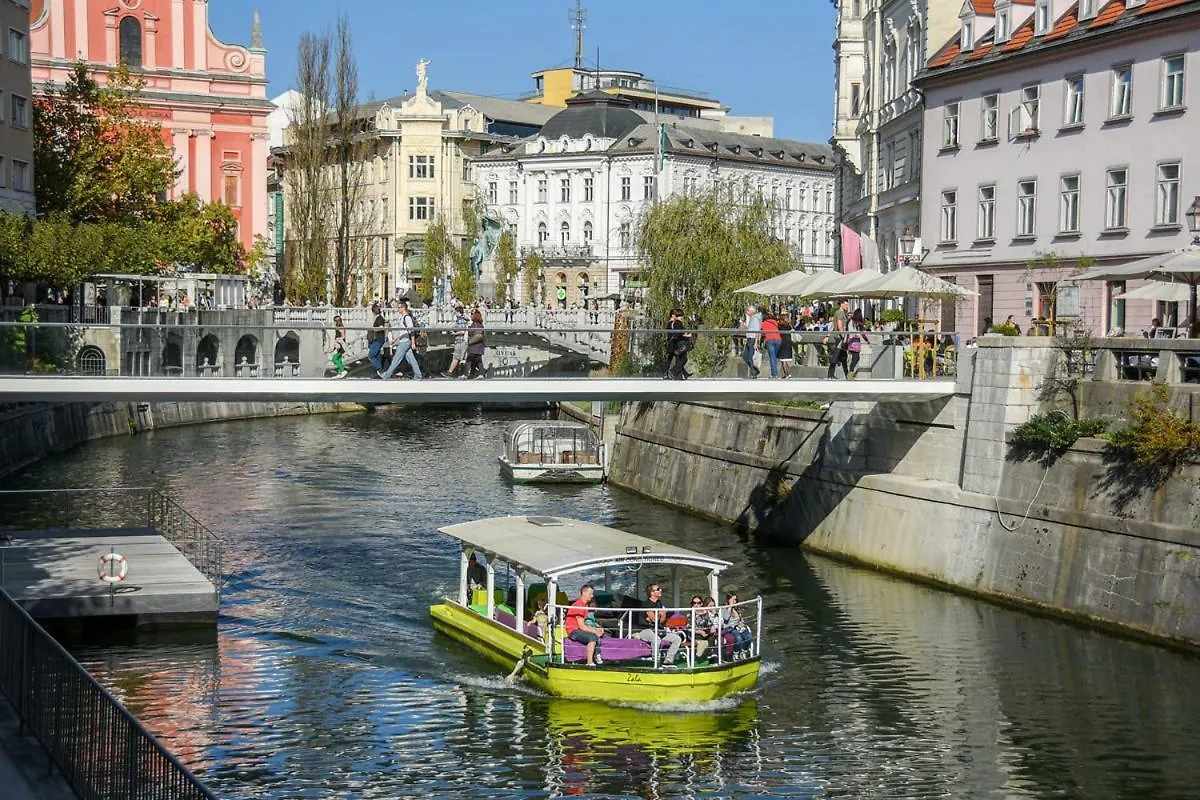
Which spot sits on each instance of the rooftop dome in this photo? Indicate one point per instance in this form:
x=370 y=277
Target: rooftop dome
x=595 y=112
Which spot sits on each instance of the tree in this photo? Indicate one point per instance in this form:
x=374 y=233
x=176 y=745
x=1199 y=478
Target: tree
x=204 y=238
x=507 y=266
x=698 y=249
x=532 y=268
x=97 y=157
x=439 y=251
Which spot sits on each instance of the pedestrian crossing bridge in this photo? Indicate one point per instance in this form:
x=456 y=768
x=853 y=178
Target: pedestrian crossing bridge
x=440 y=391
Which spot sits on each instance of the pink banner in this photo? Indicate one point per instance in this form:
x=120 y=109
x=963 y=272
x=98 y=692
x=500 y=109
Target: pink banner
x=851 y=251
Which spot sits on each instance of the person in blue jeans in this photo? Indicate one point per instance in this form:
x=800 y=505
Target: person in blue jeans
x=378 y=334
x=733 y=623
x=752 y=324
x=771 y=342
x=402 y=333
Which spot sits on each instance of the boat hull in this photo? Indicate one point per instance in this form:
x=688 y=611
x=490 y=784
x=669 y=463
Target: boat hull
x=611 y=683
x=551 y=473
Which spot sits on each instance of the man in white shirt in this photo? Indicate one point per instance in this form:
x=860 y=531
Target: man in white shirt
x=752 y=324
x=401 y=331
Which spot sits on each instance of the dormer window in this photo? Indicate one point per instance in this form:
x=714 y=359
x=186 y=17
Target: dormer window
x=968 y=34
x=1003 y=26
x=735 y=149
x=1041 y=17
x=1087 y=9
x=712 y=146
x=689 y=143
x=757 y=151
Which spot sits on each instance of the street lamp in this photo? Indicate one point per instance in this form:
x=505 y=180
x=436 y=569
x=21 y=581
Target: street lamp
x=909 y=246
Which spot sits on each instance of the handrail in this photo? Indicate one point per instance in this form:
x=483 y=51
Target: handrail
x=99 y=747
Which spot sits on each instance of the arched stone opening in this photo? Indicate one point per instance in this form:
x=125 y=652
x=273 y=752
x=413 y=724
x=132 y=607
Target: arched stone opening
x=288 y=348
x=208 y=353
x=246 y=351
x=91 y=361
x=172 y=356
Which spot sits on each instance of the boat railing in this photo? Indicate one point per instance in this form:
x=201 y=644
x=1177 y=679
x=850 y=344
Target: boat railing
x=749 y=611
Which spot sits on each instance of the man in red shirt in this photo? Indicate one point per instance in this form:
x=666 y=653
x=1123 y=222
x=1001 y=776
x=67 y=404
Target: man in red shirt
x=581 y=625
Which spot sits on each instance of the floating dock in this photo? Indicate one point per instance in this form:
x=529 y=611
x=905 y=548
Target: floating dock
x=55 y=575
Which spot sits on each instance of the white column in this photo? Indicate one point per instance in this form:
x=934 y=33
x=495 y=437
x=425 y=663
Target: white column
x=150 y=50
x=491 y=590
x=200 y=34
x=179 y=140
x=203 y=166
x=81 y=30
x=463 y=559
x=256 y=175
x=176 y=33
x=58 y=29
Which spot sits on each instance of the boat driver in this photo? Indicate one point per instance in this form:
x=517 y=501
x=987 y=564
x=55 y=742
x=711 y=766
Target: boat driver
x=654 y=627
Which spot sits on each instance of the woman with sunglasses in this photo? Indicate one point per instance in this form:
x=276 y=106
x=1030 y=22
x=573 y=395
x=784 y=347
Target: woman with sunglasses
x=735 y=625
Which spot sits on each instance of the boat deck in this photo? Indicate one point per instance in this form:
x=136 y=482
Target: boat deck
x=53 y=575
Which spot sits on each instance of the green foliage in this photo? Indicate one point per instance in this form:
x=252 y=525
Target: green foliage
x=203 y=238
x=1157 y=438
x=507 y=266
x=893 y=316
x=532 y=268
x=700 y=248
x=627 y=366
x=1007 y=329
x=1054 y=431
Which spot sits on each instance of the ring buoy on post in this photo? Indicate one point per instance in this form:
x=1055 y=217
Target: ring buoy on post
x=113 y=568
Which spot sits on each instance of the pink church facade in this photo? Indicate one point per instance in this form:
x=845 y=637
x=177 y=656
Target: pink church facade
x=209 y=97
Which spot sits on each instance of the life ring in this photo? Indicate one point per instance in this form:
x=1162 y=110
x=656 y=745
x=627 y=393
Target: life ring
x=113 y=568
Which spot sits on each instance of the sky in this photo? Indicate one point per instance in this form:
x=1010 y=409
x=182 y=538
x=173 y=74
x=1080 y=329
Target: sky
x=762 y=57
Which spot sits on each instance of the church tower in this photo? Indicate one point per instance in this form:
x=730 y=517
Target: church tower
x=849 y=67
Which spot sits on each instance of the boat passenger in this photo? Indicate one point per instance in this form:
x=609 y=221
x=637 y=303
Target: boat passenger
x=657 y=616
x=581 y=624
x=735 y=625
x=704 y=627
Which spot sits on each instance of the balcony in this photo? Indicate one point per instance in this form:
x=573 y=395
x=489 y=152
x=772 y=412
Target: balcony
x=560 y=252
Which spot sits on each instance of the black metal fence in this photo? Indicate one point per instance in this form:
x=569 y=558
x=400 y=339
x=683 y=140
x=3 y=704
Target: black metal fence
x=100 y=748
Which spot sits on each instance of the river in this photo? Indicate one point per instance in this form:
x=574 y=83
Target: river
x=325 y=679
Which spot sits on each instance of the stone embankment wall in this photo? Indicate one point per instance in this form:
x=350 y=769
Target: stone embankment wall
x=931 y=491
x=29 y=432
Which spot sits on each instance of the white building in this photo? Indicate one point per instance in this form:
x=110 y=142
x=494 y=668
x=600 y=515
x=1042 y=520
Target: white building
x=574 y=192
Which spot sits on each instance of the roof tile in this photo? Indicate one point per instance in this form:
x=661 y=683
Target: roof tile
x=981 y=51
x=1109 y=14
x=1020 y=37
x=948 y=54
x=1066 y=23
x=1159 y=5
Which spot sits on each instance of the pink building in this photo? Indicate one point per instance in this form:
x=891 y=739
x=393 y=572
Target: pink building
x=210 y=97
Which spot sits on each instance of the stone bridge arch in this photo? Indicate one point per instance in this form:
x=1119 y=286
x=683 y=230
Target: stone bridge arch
x=172 y=355
x=208 y=354
x=288 y=347
x=246 y=351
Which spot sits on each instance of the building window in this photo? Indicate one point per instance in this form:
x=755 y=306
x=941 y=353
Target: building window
x=625 y=235
x=1026 y=208
x=383 y=213
x=20 y=176
x=787 y=199
x=542 y=185
x=20 y=112
x=828 y=202
x=1068 y=204
x=1087 y=9
x=3 y=174
x=18 y=46
x=589 y=189
x=855 y=98
x=949 y=218
x=1172 y=87
x=1167 y=203
x=383 y=168
x=626 y=188
x=987 y=213
x=512 y=192
x=1116 y=198
x=1003 y=26
x=130 y=35
x=493 y=192
x=950 y=125
x=1041 y=17
x=990 y=124
x=967 y=42
x=1025 y=116
x=648 y=187
x=421 y=167
x=232 y=191
x=543 y=234
x=587 y=233
x=564 y=234
x=420 y=208
x=1122 y=92
x=564 y=190
x=1074 y=98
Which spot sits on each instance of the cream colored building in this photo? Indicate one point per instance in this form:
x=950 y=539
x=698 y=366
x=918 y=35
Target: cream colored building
x=16 y=109
x=418 y=172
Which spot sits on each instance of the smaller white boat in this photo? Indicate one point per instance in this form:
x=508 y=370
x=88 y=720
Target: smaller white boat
x=551 y=451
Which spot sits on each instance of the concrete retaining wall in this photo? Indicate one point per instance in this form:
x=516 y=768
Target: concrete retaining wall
x=29 y=432
x=930 y=491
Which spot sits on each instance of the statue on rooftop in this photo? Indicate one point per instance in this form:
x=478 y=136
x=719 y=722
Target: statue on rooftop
x=422 y=78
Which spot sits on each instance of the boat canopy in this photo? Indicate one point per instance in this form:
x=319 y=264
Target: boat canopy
x=557 y=546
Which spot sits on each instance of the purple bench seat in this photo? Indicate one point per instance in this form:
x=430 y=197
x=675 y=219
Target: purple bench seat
x=611 y=649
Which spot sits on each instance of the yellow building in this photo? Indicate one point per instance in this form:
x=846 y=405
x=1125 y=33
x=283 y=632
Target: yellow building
x=553 y=87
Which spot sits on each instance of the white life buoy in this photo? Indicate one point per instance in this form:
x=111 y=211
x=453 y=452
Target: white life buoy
x=113 y=568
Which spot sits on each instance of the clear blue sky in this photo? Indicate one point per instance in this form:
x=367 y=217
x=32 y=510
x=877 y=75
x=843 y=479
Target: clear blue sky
x=762 y=57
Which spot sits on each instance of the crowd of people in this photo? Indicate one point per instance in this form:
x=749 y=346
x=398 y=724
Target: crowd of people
x=395 y=337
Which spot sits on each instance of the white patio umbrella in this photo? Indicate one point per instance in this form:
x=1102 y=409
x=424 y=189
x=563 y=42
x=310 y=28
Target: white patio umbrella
x=767 y=287
x=910 y=282
x=811 y=282
x=1181 y=264
x=1166 y=291
x=846 y=285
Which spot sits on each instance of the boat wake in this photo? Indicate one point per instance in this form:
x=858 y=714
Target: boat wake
x=769 y=668
x=497 y=683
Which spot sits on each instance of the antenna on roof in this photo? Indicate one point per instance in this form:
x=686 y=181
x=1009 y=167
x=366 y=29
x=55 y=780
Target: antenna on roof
x=597 y=67
x=577 y=18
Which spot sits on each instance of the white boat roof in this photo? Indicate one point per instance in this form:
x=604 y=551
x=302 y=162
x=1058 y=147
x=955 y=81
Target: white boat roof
x=556 y=546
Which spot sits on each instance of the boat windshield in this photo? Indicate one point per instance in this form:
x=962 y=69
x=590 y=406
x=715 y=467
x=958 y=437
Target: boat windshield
x=547 y=442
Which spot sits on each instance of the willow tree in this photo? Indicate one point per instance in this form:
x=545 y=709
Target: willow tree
x=698 y=249
x=507 y=266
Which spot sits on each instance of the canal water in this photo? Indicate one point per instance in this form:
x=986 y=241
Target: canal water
x=325 y=679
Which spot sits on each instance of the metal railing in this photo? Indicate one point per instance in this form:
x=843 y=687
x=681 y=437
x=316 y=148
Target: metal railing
x=120 y=507
x=100 y=748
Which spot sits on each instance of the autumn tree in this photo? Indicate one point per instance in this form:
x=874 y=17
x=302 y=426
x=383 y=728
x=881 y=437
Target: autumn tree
x=507 y=267
x=531 y=268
